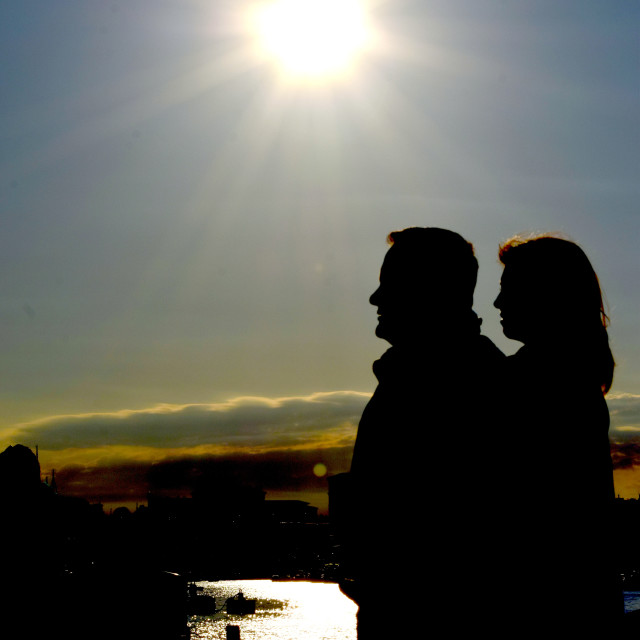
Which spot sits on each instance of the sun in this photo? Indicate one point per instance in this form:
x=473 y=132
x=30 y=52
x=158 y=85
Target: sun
x=313 y=38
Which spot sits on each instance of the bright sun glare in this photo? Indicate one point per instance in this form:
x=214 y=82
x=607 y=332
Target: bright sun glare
x=313 y=38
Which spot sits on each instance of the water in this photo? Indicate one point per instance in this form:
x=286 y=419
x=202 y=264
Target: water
x=631 y=601
x=293 y=611
x=284 y=611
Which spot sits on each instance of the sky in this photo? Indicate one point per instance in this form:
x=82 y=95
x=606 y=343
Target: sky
x=192 y=221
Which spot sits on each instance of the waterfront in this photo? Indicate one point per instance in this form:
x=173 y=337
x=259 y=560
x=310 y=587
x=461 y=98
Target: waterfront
x=295 y=610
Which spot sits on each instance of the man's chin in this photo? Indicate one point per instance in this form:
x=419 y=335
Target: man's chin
x=383 y=333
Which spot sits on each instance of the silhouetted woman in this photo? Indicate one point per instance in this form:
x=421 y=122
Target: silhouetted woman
x=555 y=428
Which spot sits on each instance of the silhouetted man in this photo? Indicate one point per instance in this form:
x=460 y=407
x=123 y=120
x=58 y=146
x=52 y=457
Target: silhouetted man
x=421 y=492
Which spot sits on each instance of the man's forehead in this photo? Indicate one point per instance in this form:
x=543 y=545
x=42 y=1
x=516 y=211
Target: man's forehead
x=398 y=262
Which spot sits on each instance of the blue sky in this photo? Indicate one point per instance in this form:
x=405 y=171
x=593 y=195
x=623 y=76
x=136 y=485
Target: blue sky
x=183 y=225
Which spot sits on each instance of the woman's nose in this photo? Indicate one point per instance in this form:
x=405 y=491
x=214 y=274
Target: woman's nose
x=374 y=298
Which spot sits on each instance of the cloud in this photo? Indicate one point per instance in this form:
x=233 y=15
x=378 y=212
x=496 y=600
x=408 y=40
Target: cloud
x=272 y=443
x=240 y=423
x=624 y=434
x=625 y=455
x=120 y=483
x=624 y=409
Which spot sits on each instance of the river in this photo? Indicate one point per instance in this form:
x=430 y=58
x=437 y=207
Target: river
x=292 y=611
x=284 y=611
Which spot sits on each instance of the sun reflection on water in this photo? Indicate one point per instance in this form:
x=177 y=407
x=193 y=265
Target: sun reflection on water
x=284 y=611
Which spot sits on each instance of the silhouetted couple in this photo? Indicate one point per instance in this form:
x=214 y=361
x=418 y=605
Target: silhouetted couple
x=481 y=485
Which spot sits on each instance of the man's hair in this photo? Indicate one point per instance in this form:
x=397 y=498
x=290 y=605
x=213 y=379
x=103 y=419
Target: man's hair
x=445 y=258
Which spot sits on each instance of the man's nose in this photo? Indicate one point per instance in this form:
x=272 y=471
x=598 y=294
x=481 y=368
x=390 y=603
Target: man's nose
x=498 y=301
x=374 y=299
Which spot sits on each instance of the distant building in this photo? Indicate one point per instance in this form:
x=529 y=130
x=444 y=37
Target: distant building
x=167 y=508
x=19 y=472
x=290 y=511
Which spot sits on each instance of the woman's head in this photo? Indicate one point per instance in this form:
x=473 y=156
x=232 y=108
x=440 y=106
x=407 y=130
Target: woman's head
x=550 y=293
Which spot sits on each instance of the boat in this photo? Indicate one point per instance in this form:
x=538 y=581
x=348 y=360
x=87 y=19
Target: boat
x=239 y=605
x=199 y=604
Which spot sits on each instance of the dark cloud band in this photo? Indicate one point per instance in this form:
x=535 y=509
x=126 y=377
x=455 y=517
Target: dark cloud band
x=241 y=422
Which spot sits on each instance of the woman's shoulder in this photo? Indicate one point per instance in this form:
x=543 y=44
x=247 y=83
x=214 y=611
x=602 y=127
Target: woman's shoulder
x=560 y=373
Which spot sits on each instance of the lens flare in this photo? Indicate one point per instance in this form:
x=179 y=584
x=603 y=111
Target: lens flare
x=320 y=470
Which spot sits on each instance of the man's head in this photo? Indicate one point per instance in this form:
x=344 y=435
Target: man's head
x=427 y=279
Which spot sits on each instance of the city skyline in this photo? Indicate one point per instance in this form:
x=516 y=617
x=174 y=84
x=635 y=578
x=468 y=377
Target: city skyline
x=191 y=232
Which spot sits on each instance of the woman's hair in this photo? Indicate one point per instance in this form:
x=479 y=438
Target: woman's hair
x=559 y=273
